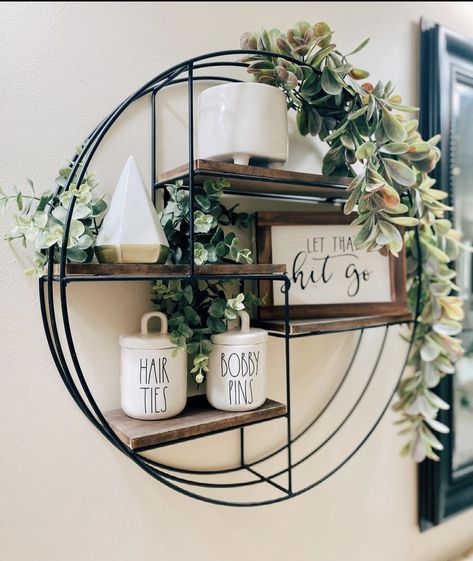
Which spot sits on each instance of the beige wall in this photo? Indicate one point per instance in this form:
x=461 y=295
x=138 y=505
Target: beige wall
x=68 y=495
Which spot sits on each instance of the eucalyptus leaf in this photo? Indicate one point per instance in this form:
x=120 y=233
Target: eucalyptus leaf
x=217 y=308
x=314 y=121
x=365 y=151
x=336 y=133
x=403 y=220
x=361 y=46
x=400 y=107
x=437 y=253
x=348 y=142
x=359 y=74
x=357 y=113
x=400 y=172
x=437 y=426
x=392 y=233
x=448 y=327
x=216 y=325
x=394 y=148
x=19 y=201
x=188 y=294
x=99 y=206
x=364 y=233
x=191 y=315
x=330 y=82
x=44 y=201
x=76 y=255
x=394 y=129
x=303 y=121
x=203 y=201
x=429 y=350
x=317 y=58
x=420 y=148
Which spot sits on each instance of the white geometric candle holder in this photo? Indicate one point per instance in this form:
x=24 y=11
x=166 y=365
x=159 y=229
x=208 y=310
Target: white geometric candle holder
x=131 y=231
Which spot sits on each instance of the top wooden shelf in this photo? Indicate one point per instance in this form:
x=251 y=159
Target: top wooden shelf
x=262 y=181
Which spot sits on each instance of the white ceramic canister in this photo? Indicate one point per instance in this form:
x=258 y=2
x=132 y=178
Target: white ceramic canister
x=237 y=377
x=240 y=121
x=153 y=373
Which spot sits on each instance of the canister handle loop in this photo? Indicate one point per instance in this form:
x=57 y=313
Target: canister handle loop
x=244 y=320
x=145 y=319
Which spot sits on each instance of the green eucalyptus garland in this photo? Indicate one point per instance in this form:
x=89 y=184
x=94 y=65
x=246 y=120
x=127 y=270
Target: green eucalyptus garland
x=197 y=310
x=39 y=220
x=372 y=141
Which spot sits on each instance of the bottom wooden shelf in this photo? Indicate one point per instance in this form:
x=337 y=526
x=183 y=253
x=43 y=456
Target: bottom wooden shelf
x=198 y=418
x=333 y=325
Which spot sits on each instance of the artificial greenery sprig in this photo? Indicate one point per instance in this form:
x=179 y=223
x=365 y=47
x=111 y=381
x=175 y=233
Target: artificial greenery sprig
x=211 y=243
x=39 y=220
x=361 y=124
x=197 y=310
x=371 y=141
x=435 y=348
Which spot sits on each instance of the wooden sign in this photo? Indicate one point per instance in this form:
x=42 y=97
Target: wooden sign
x=329 y=276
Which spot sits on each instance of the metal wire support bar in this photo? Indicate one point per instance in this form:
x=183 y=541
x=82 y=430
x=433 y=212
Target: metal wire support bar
x=153 y=145
x=190 y=97
x=287 y=286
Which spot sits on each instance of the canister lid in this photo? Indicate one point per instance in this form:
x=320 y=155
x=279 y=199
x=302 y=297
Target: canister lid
x=246 y=335
x=146 y=340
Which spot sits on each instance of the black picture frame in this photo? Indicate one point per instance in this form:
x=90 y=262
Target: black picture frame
x=445 y=57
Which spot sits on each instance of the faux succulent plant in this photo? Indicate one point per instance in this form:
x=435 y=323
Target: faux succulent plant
x=39 y=220
x=371 y=140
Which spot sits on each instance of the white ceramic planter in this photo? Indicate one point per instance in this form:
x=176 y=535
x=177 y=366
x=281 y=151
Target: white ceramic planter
x=153 y=373
x=240 y=121
x=237 y=377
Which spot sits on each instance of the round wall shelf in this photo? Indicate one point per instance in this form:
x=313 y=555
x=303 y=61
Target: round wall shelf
x=133 y=437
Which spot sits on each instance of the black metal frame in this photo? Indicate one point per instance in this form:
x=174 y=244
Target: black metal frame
x=446 y=57
x=73 y=376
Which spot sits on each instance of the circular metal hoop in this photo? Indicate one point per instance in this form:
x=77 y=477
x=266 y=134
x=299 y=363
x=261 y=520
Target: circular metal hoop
x=172 y=476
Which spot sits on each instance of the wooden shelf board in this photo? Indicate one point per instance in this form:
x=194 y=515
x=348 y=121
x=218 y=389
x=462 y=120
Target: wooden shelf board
x=317 y=326
x=262 y=181
x=156 y=270
x=197 y=419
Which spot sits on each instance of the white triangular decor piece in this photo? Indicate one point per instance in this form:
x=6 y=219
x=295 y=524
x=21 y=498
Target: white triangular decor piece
x=131 y=231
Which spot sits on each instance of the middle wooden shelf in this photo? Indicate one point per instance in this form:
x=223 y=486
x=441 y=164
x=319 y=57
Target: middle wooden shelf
x=303 y=327
x=106 y=271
